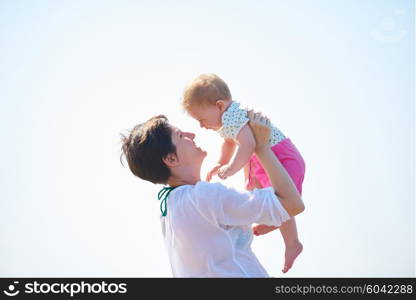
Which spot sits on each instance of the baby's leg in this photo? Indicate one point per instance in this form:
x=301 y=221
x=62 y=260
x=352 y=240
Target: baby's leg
x=289 y=230
x=293 y=162
x=293 y=246
x=289 y=233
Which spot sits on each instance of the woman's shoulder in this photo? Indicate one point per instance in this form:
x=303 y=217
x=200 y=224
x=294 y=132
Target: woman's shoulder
x=205 y=186
x=217 y=190
x=201 y=188
x=213 y=190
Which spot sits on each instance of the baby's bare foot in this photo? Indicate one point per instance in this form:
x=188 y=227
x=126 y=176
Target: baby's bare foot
x=291 y=254
x=263 y=229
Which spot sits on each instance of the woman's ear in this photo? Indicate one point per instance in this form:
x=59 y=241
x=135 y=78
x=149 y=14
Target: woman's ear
x=171 y=160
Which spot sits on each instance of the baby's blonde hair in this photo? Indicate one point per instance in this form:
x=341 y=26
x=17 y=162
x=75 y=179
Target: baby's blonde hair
x=205 y=89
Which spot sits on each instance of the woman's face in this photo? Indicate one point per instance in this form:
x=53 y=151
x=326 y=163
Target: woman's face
x=188 y=153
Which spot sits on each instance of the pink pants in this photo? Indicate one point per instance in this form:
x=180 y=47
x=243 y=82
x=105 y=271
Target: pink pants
x=289 y=157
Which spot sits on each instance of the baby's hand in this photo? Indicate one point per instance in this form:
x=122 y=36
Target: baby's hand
x=224 y=172
x=213 y=172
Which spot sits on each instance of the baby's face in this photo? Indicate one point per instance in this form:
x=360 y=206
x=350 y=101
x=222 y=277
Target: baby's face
x=209 y=116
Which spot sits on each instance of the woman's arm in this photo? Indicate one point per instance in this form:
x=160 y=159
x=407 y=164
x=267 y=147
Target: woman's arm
x=283 y=185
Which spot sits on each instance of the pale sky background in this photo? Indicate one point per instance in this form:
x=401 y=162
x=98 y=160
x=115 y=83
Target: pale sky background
x=337 y=77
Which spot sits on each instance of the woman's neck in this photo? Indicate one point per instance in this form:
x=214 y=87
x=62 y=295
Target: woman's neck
x=191 y=180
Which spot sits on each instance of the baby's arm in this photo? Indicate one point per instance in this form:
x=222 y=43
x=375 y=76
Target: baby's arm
x=227 y=151
x=247 y=144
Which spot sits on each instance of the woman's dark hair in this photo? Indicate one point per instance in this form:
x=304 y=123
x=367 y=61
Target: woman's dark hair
x=145 y=147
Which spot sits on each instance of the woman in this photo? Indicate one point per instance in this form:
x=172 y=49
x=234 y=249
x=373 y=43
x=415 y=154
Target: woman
x=207 y=226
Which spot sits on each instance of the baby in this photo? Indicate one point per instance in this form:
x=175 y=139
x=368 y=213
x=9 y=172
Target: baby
x=208 y=100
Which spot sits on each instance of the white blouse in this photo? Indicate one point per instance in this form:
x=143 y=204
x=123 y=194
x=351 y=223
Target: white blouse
x=207 y=229
x=234 y=118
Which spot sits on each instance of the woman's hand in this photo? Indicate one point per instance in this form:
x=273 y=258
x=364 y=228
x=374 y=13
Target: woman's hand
x=260 y=125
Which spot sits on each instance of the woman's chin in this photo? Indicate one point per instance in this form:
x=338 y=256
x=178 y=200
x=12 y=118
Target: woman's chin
x=203 y=152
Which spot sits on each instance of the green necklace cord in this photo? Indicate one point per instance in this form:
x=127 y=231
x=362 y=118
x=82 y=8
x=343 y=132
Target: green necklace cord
x=164 y=193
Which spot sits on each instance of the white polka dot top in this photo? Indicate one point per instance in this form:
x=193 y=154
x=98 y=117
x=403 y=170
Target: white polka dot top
x=234 y=118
